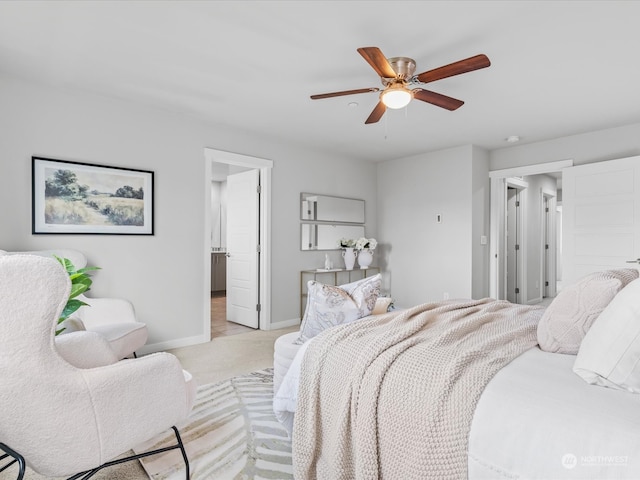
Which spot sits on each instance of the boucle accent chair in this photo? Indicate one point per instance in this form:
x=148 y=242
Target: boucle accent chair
x=113 y=318
x=63 y=419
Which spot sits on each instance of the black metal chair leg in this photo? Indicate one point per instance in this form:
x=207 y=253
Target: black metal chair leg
x=14 y=457
x=90 y=473
x=183 y=451
x=17 y=458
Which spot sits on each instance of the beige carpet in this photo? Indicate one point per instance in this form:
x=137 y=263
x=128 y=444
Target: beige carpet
x=212 y=362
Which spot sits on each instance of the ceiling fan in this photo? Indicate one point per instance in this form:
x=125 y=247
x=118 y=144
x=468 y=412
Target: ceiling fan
x=401 y=85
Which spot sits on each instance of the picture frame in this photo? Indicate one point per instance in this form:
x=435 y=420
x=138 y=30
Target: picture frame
x=84 y=198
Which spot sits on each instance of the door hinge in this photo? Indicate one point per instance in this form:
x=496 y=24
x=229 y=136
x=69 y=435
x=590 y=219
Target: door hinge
x=258 y=307
x=546 y=209
x=546 y=284
x=517 y=290
x=517 y=247
x=546 y=247
x=259 y=189
x=517 y=203
x=258 y=248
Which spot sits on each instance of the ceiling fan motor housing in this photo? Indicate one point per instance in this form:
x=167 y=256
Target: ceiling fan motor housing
x=404 y=67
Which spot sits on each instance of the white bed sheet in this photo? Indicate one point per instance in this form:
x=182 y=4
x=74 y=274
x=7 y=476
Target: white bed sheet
x=286 y=398
x=536 y=419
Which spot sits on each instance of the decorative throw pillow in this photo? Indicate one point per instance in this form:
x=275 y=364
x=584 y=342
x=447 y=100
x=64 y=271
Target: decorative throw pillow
x=566 y=321
x=382 y=305
x=330 y=305
x=610 y=352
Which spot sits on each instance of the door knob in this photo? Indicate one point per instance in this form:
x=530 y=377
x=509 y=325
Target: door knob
x=228 y=255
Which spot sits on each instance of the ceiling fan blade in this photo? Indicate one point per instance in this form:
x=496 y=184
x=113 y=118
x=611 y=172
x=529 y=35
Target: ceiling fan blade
x=376 y=114
x=346 y=92
x=375 y=58
x=437 y=99
x=456 y=68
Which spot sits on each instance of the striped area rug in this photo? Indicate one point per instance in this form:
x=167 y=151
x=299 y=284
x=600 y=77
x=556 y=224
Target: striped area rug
x=231 y=433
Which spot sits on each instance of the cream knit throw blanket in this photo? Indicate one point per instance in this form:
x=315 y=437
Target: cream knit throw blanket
x=393 y=397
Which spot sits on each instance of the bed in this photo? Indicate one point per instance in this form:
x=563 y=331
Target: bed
x=533 y=413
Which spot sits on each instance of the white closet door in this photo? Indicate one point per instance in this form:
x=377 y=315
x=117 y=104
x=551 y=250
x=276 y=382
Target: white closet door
x=601 y=217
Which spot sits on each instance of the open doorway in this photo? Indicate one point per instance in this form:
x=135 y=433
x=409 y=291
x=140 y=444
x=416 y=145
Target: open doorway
x=532 y=262
x=237 y=250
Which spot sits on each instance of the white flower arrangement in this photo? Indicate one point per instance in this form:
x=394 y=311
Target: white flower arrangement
x=346 y=243
x=366 y=243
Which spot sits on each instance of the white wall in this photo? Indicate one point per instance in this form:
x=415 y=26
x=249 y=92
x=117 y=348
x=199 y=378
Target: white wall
x=609 y=144
x=219 y=215
x=425 y=259
x=480 y=215
x=422 y=259
x=157 y=273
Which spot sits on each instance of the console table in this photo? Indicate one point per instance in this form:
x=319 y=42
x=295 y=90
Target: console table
x=336 y=276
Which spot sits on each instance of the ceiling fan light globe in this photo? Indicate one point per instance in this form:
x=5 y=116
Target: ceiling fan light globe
x=396 y=98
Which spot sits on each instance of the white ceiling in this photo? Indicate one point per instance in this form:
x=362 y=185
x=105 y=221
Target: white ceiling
x=558 y=68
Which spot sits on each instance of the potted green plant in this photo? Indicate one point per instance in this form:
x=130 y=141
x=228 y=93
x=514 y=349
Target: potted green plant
x=80 y=283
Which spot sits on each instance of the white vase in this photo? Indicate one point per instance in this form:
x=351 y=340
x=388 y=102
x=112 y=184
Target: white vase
x=349 y=256
x=365 y=257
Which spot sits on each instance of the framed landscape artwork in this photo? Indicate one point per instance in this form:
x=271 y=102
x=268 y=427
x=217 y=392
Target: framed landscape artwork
x=81 y=198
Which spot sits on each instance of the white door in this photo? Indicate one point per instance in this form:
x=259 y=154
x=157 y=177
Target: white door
x=243 y=248
x=546 y=243
x=513 y=244
x=550 y=244
x=601 y=217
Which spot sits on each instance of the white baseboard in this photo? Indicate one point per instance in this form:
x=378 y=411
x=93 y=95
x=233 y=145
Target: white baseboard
x=169 y=344
x=188 y=341
x=284 y=324
x=534 y=301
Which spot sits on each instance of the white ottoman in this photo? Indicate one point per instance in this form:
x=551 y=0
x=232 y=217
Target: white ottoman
x=284 y=350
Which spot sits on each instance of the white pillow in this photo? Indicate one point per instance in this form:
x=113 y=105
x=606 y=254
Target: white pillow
x=569 y=317
x=331 y=305
x=610 y=352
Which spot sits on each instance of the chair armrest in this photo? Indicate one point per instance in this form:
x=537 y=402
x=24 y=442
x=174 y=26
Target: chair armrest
x=147 y=394
x=102 y=311
x=84 y=349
